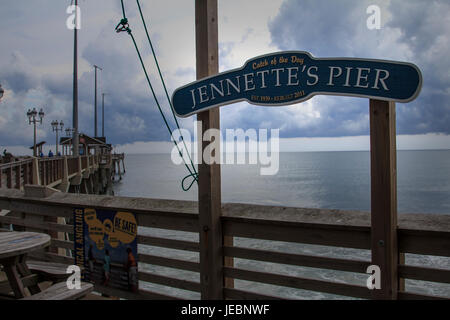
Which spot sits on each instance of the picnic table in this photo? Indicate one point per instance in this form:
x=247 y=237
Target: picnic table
x=14 y=247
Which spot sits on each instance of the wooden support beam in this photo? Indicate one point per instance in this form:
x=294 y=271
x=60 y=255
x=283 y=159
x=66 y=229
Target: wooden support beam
x=18 y=176
x=35 y=179
x=209 y=190
x=9 y=177
x=384 y=196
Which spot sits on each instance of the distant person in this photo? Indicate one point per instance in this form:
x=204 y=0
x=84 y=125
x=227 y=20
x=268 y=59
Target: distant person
x=59 y=154
x=41 y=154
x=132 y=271
x=107 y=268
x=50 y=154
x=4 y=153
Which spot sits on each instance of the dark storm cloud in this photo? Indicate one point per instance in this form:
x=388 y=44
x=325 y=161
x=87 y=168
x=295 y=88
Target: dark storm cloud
x=414 y=31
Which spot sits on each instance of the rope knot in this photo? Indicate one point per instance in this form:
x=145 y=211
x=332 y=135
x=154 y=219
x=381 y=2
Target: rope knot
x=123 y=26
x=194 y=177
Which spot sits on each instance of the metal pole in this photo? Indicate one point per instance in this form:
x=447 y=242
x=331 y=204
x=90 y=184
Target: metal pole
x=95 y=133
x=34 y=144
x=95 y=116
x=56 y=141
x=103 y=114
x=75 y=88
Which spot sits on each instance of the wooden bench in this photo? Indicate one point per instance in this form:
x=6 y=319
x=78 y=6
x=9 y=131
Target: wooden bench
x=49 y=271
x=60 y=291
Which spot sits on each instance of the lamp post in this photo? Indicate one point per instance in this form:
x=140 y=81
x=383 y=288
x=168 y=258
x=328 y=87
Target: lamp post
x=33 y=120
x=2 y=92
x=56 y=128
x=69 y=133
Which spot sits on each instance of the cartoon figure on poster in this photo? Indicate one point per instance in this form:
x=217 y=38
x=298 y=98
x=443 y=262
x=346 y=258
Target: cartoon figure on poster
x=110 y=248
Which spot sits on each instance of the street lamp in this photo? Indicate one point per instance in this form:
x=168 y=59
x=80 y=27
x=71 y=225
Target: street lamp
x=32 y=120
x=69 y=132
x=55 y=126
x=2 y=92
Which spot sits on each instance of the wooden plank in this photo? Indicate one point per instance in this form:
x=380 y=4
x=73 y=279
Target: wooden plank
x=298 y=260
x=383 y=163
x=327 y=235
x=425 y=274
x=416 y=296
x=209 y=184
x=246 y=295
x=51 y=257
x=62 y=244
x=299 y=283
x=169 y=262
x=424 y=242
x=50 y=271
x=18 y=174
x=27 y=281
x=9 y=177
x=60 y=291
x=13 y=275
x=169 y=243
x=170 y=282
x=37 y=225
x=143 y=294
x=168 y=221
x=26 y=174
x=13 y=244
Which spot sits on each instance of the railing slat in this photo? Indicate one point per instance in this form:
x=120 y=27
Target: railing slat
x=50 y=226
x=169 y=262
x=327 y=235
x=246 y=295
x=416 y=296
x=424 y=242
x=425 y=274
x=170 y=282
x=141 y=295
x=299 y=283
x=62 y=244
x=297 y=259
x=168 y=243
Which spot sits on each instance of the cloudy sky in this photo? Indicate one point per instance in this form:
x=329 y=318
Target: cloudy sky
x=36 y=67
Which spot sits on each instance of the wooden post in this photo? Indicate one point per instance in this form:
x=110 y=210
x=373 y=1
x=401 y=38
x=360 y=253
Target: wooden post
x=209 y=187
x=384 y=196
x=9 y=177
x=35 y=179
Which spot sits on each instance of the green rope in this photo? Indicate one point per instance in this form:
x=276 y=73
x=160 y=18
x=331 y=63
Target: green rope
x=123 y=26
x=162 y=80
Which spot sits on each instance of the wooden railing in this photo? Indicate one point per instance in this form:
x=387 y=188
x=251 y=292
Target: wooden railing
x=49 y=170
x=268 y=248
x=15 y=174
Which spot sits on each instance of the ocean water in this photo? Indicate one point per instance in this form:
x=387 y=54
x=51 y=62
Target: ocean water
x=335 y=180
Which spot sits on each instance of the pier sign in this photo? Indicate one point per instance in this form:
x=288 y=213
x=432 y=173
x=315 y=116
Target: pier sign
x=294 y=76
x=106 y=247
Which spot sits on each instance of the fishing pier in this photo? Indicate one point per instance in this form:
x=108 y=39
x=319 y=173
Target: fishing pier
x=216 y=251
x=90 y=174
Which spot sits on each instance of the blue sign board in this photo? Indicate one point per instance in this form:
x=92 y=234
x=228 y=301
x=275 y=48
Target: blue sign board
x=293 y=76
